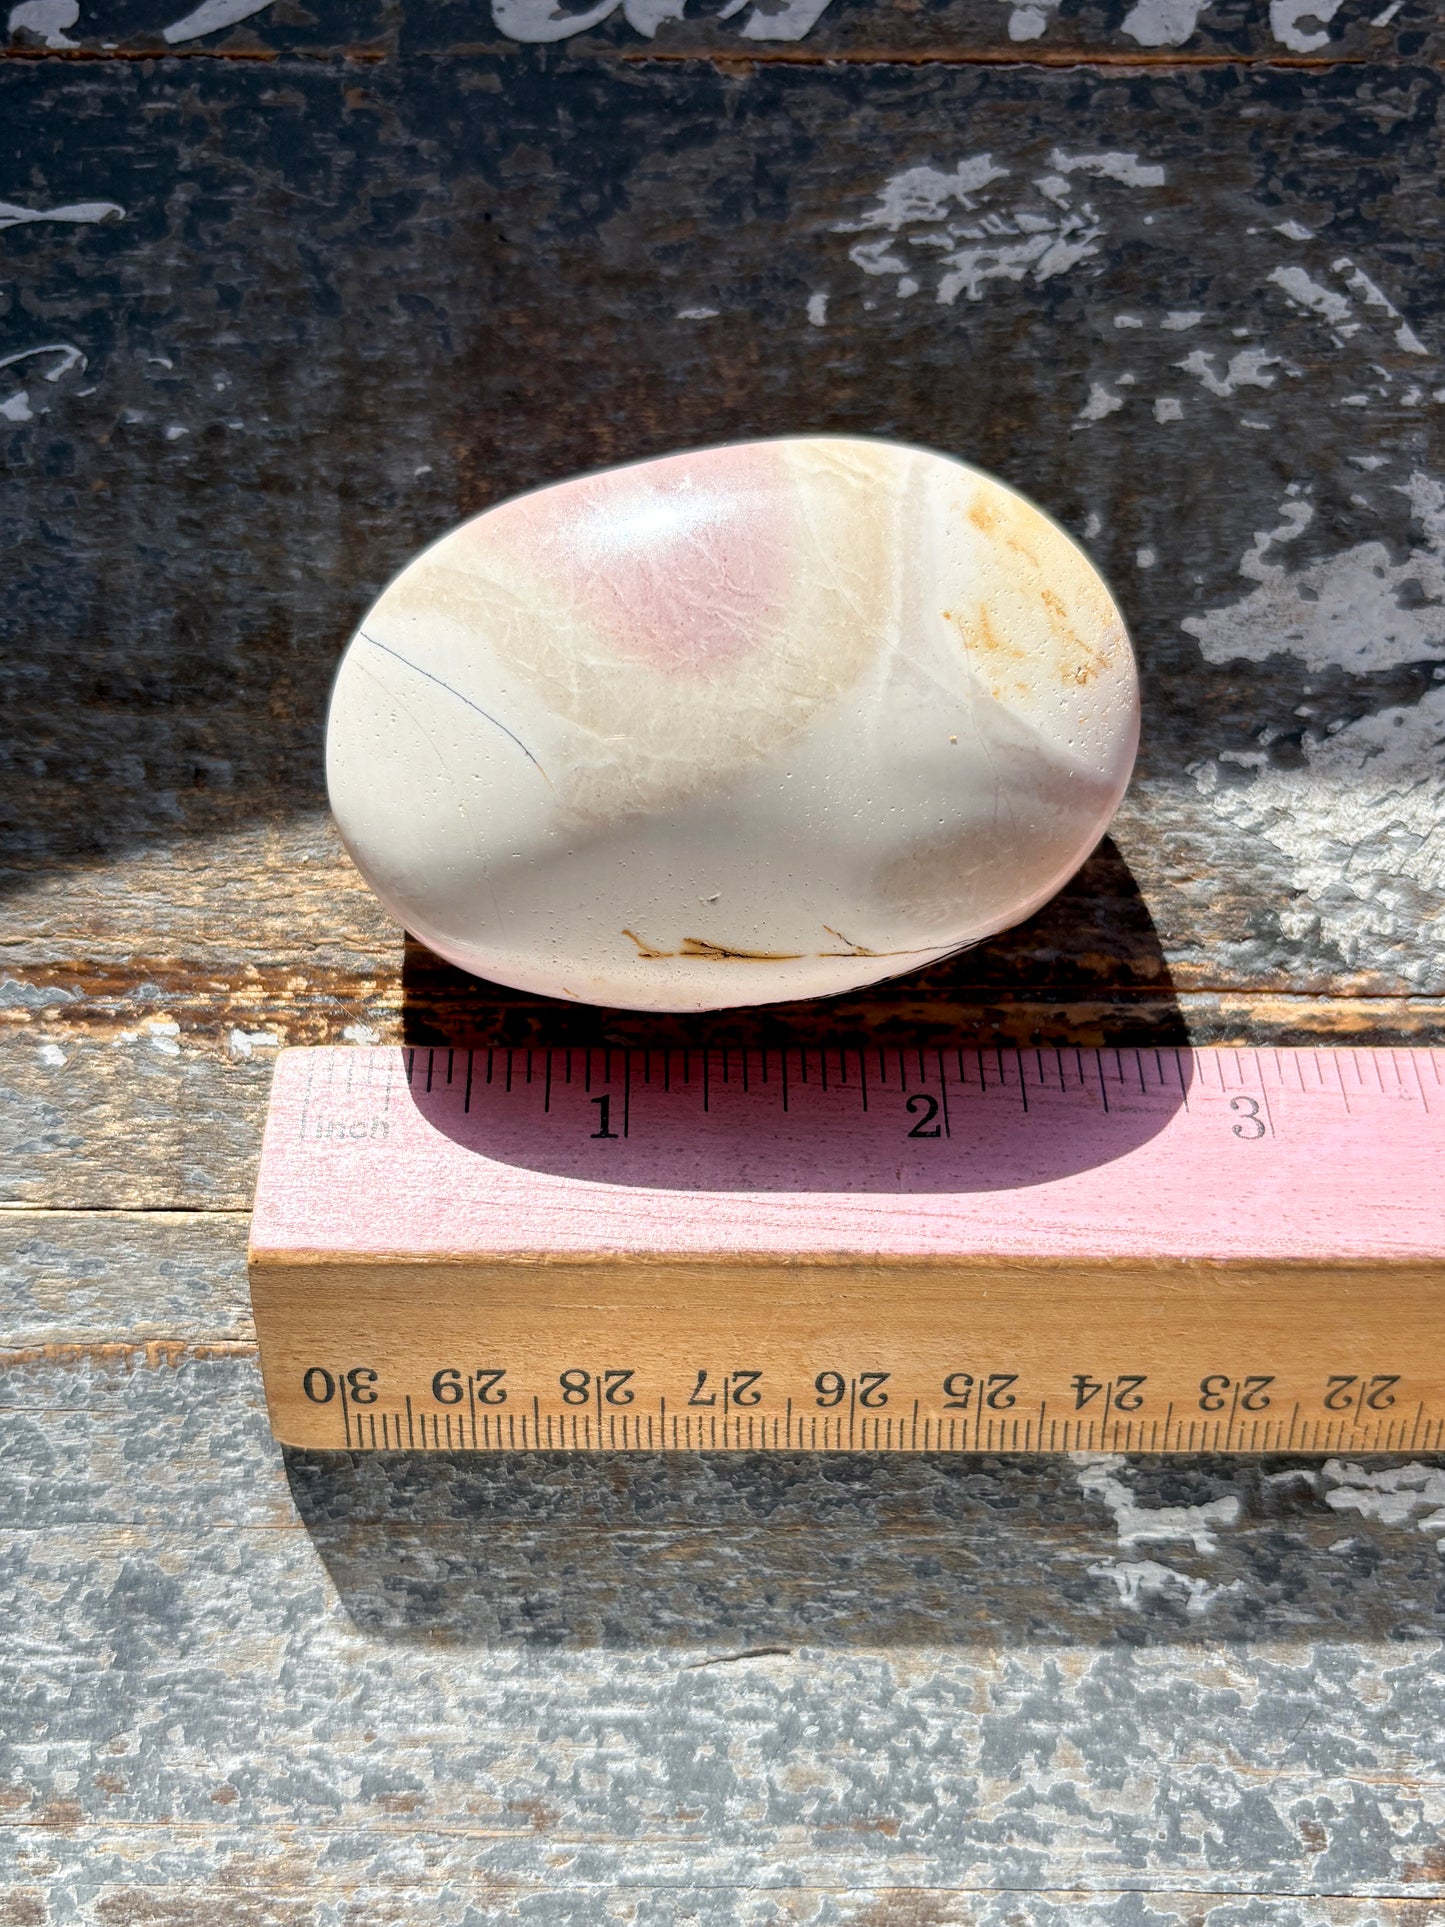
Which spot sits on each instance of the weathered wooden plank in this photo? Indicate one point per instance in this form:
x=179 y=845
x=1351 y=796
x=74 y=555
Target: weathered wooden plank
x=160 y=1118
x=272 y=932
x=1220 y=1679
x=132 y=1279
x=602 y=272
x=276 y=1890
x=284 y=1886
x=182 y=1127
x=1134 y=31
x=376 y=1683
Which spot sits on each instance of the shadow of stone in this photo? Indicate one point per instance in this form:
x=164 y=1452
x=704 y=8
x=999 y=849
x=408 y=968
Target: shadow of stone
x=773 y=1551
x=1088 y=969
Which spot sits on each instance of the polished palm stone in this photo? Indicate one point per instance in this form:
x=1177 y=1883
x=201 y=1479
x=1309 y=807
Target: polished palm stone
x=765 y=721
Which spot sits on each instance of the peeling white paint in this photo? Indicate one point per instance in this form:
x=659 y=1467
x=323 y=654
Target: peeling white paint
x=960 y=230
x=1361 y=832
x=75 y=213
x=1139 y=1580
x=47 y=19
x=361 y=1034
x=51 y=1055
x=1100 y=403
x=242 y=1044
x=210 y=17
x=1032 y=20
x=1308 y=293
x=1294 y=230
x=1168 y=409
x=163 y=1034
x=1287 y=18
x=698 y=314
x=1127 y=169
x=1296 y=1475
x=18 y=407
x=1245 y=370
x=646 y=16
x=1178 y=319
x=1360 y=610
x=1334 y=308
x=1162 y=23
x=1044 y=255
x=791 y=20
x=1375 y=297
x=1393 y=1495
x=923 y=194
x=69 y=357
x=1138 y=1525
x=542 y=21
x=818 y=309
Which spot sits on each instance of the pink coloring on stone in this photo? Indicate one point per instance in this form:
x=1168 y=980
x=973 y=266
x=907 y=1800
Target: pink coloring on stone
x=682 y=564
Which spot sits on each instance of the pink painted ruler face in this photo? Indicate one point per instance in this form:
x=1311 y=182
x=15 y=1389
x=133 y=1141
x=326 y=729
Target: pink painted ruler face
x=1218 y=1154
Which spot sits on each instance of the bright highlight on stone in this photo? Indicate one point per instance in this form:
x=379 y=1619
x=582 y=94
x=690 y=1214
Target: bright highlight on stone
x=765 y=721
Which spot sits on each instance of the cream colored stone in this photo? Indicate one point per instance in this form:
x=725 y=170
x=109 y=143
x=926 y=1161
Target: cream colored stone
x=766 y=721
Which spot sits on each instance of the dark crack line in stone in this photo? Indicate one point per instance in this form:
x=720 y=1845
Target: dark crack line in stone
x=417 y=670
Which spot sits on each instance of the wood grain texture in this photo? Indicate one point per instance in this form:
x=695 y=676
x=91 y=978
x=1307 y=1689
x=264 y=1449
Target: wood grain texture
x=534 y=304
x=770 y=1688
x=363 y=270
x=1137 y=33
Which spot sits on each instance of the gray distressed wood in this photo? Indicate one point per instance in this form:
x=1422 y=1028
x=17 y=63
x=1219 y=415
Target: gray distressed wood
x=761 y=1688
x=1138 y=32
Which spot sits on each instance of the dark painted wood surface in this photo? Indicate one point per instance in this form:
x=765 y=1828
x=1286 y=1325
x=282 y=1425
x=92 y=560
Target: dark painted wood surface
x=286 y=295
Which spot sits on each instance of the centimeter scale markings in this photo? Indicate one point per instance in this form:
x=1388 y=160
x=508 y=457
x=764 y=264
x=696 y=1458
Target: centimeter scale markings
x=845 y=1248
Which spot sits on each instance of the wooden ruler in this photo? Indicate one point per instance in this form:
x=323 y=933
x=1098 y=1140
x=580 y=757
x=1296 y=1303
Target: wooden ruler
x=873 y=1249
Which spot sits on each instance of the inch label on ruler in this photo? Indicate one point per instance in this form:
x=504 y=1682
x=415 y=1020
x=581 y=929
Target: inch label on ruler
x=854 y=1250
